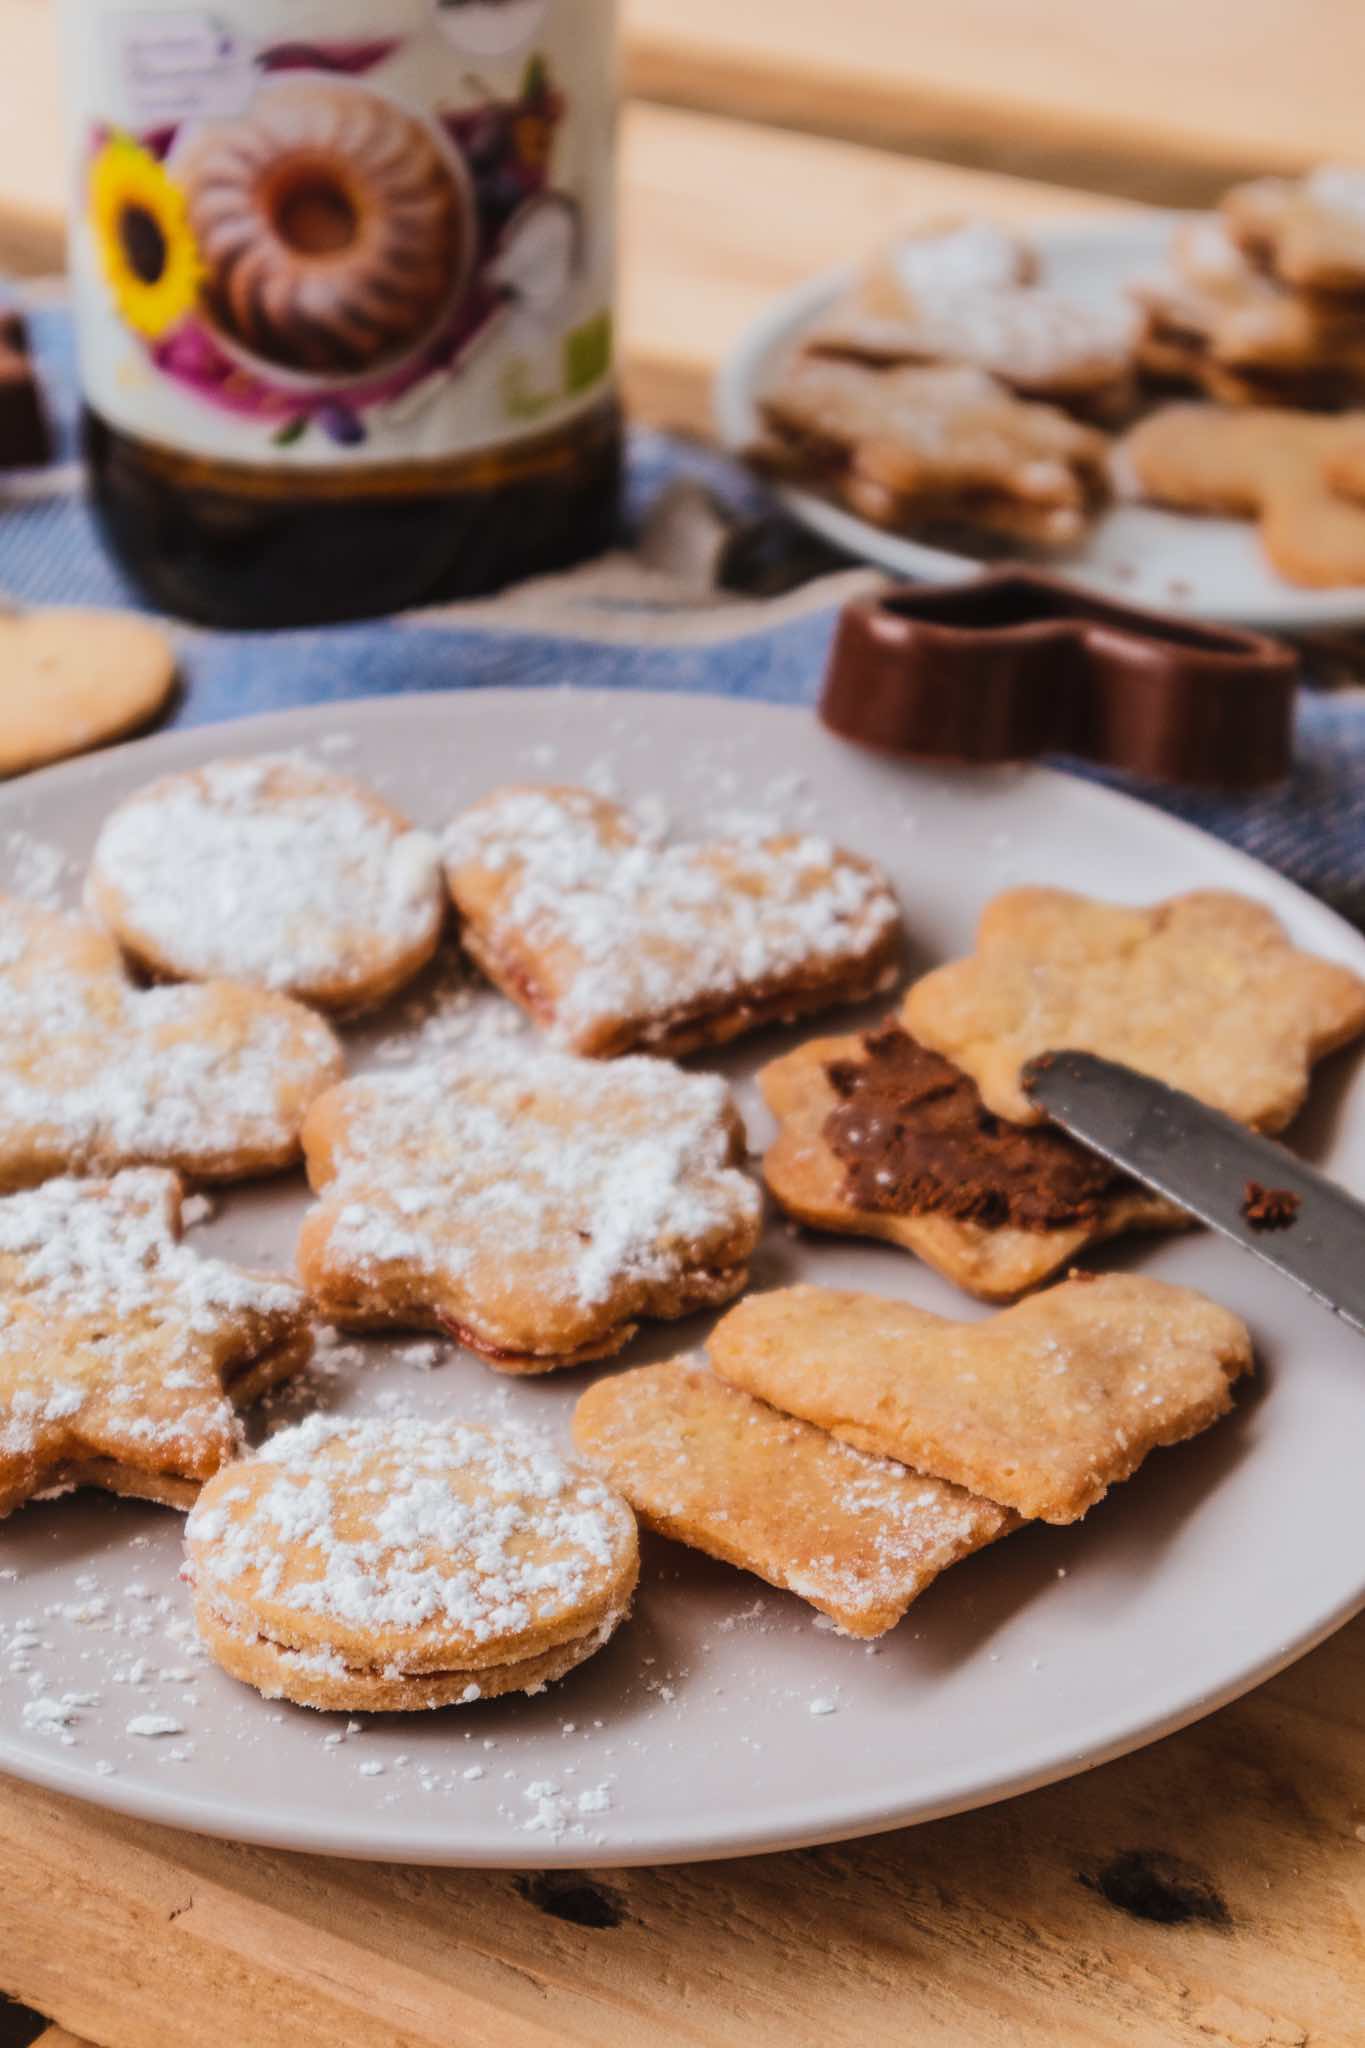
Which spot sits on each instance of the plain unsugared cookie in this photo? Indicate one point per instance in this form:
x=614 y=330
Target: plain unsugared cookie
x=611 y=939
x=409 y=1563
x=1042 y=1408
x=532 y=1204
x=858 y=1537
x=71 y=680
x=124 y=1354
x=1259 y=462
x=1203 y=991
x=96 y=1074
x=271 y=872
x=878 y=1137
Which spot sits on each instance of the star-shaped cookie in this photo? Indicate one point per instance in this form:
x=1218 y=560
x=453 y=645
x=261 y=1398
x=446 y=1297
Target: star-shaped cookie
x=1203 y=991
x=611 y=940
x=530 y=1203
x=124 y=1354
x=877 y=1137
x=96 y=1073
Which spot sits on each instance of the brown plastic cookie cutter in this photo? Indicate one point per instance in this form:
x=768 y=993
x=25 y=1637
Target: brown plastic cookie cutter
x=1015 y=663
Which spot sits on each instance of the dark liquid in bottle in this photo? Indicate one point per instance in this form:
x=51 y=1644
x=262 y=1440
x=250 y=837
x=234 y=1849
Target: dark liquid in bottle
x=232 y=546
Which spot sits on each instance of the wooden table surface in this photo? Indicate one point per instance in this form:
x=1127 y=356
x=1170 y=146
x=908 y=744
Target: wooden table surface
x=1210 y=1890
x=1166 y=99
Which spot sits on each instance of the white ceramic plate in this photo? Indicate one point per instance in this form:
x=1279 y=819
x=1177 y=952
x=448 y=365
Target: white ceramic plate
x=1211 y=568
x=1217 y=1564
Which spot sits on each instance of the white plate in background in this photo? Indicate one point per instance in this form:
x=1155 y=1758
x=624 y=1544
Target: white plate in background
x=1210 y=568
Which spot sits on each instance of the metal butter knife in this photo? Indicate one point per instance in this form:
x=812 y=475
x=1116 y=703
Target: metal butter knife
x=1210 y=1165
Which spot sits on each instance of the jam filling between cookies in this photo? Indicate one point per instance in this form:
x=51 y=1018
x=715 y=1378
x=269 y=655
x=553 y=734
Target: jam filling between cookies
x=915 y=1139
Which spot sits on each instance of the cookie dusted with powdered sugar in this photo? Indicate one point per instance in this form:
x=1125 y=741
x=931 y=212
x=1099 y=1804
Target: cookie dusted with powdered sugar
x=1309 y=232
x=534 y=1205
x=858 y=1537
x=386 y=1566
x=96 y=1074
x=271 y=872
x=611 y=939
x=124 y=1355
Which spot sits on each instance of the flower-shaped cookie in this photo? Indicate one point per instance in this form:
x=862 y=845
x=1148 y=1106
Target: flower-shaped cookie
x=532 y=1204
x=124 y=1354
x=96 y=1074
x=1202 y=991
x=270 y=872
x=610 y=939
x=405 y=1564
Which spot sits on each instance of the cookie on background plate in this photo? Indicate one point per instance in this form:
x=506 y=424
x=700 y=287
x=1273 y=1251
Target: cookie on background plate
x=1309 y=232
x=404 y=1564
x=878 y=1137
x=272 y=872
x=932 y=445
x=1041 y=1408
x=611 y=939
x=124 y=1354
x=96 y=1073
x=72 y=679
x=1258 y=462
x=858 y=1537
x=1203 y=991
x=534 y=1205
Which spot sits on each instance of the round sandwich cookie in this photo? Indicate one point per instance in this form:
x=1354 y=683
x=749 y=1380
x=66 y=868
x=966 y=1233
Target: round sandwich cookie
x=371 y=1566
x=72 y=679
x=272 y=872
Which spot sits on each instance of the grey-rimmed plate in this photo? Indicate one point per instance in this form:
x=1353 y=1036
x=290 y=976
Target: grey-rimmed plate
x=723 y=1718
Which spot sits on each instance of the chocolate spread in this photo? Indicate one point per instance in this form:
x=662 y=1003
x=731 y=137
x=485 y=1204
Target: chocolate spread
x=914 y=1138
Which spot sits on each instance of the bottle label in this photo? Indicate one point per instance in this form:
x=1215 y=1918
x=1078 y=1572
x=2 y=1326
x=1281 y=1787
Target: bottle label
x=321 y=232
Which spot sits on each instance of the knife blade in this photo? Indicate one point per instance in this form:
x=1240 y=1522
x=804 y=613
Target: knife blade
x=1206 y=1163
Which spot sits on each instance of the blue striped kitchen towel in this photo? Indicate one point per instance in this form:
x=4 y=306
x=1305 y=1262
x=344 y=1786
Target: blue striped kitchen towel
x=618 y=626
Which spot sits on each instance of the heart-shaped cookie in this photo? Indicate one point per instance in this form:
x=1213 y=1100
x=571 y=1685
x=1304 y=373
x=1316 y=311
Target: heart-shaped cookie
x=611 y=939
x=1041 y=1408
x=96 y=1073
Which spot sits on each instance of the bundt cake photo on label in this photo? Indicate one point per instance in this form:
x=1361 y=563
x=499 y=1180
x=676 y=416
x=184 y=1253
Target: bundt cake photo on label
x=334 y=227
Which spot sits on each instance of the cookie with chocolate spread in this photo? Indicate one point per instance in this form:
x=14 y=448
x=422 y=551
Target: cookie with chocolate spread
x=879 y=1137
x=1041 y=1408
x=271 y=872
x=96 y=1073
x=534 y=1205
x=612 y=939
x=858 y=1537
x=124 y=1354
x=405 y=1564
x=1204 y=991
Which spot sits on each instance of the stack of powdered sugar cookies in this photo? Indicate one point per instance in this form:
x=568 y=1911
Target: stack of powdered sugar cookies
x=949 y=393
x=539 y=1194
